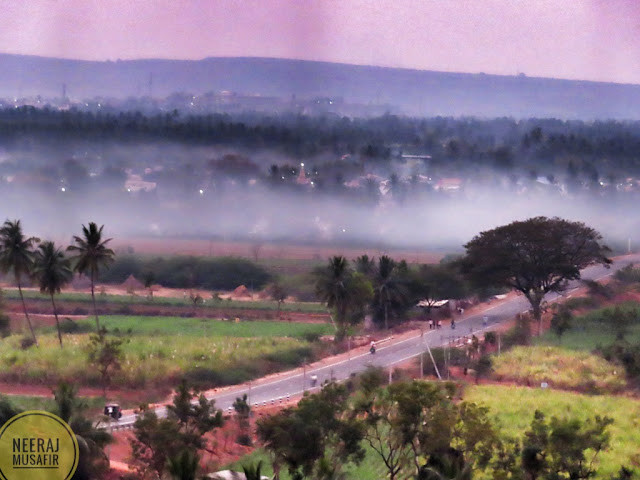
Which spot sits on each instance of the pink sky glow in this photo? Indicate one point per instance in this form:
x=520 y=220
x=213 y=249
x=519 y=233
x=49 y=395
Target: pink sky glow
x=577 y=39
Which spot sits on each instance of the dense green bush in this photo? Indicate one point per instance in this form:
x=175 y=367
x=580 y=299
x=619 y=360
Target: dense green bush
x=291 y=357
x=628 y=274
x=575 y=303
x=204 y=377
x=5 y=325
x=626 y=354
x=223 y=273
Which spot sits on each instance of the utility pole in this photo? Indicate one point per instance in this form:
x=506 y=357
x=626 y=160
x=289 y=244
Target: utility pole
x=435 y=366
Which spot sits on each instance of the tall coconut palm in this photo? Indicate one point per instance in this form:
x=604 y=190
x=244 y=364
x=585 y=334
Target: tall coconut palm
x=389 y=289
x=184 y=465
x=16 y=256
x=52 y=271
x=91 y=254
x=332 y=287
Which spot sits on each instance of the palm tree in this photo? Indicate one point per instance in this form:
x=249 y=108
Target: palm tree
x=16 y=255
x=52 y=272
x=389 y=290
x=92 y=253
x=252 y=472
x=365 y=265
x=331 y=287
x=184 y=466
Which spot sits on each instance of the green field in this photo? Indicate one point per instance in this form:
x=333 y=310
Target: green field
x=160 y=350
x=589 y=331
x=202 y=327
x=28 y=402
x=560 y=368
x=514 y=406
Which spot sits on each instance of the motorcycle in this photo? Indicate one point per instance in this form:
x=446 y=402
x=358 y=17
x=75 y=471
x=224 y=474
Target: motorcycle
x=372 y=349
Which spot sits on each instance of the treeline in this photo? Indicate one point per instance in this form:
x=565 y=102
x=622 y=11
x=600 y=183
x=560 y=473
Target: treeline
x=188 y=272
x=388 y=290
x=502 y=143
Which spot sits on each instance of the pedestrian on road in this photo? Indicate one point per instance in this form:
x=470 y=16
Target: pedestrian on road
x=453 y=324
x=439 y=324
x=430 y=324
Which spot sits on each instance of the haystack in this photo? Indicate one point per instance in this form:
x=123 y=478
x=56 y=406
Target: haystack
x=132 y=283
x=240 y=292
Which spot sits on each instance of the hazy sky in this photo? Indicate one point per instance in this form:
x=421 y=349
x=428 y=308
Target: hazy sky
x=585 y=39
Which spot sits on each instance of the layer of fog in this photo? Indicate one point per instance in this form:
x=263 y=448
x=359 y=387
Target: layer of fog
x=262 y=212
x=262 y=215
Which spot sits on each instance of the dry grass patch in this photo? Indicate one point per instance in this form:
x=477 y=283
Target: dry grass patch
x=560 y=368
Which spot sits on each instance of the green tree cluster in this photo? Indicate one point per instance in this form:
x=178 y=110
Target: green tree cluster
x=172 y=444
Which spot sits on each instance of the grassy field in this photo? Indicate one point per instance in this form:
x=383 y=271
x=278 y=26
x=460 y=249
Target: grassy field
x=514 y=407
x=28 y=402
x=141 y=299
x=159 y=351
x=202 y=327
x=590 y=331
x=560 y=368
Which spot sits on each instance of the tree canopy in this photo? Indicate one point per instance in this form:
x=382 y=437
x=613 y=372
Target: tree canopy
x=535 y=256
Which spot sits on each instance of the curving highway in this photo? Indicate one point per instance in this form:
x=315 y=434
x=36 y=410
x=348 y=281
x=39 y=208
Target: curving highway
x=279 y=388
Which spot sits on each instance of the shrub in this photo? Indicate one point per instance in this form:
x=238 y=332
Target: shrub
x=520 y=334
x=69 y=326
x=625 y=354
x=26 y=343
x=290 y=357
x=628 y=275
x=491 y=338
x=576 y=303
x=203 y=377
x=244 y=439
x=5 y=325
x=311 y=337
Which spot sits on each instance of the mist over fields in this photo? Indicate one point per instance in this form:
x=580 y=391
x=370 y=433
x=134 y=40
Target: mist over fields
x=53 y=194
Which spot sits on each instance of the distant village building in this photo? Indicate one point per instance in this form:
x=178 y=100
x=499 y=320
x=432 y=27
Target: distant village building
x=302 y=177
x=448 y=185
x=134 y=183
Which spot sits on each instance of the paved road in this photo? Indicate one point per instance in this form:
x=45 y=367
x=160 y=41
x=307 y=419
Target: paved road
x=290 y=384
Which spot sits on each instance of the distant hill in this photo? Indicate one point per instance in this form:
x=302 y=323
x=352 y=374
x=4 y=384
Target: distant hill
x=412 y=92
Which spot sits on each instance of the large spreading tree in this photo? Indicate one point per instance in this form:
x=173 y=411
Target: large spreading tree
x=535 y=256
